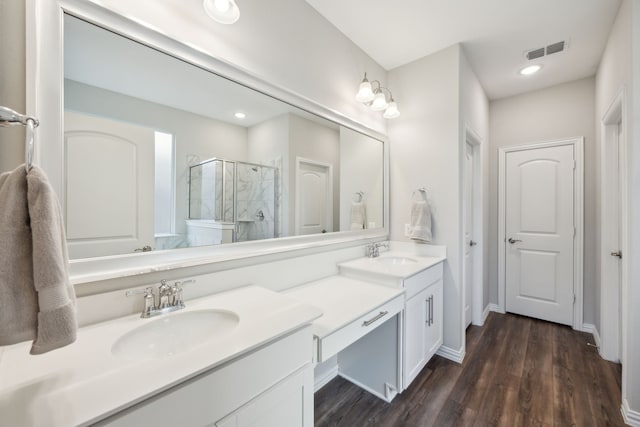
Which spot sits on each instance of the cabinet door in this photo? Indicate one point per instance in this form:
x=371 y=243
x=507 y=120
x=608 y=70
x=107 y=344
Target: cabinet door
x=433 y=329
x=281 y=406
x=415 y=348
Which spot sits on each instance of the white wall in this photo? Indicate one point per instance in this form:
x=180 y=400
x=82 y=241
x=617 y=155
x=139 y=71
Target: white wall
x=474 y=107
x=197 y=137
x=620 y=70
x=358 y=156
x=12 y=80
x=561 y=111
x=425 y=152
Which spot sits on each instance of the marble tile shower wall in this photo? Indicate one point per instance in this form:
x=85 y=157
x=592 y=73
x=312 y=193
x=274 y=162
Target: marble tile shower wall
x=206 y=192
x=256 y=202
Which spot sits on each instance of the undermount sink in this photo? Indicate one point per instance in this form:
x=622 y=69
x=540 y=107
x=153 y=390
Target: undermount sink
x=394 y=260
x=175 y=333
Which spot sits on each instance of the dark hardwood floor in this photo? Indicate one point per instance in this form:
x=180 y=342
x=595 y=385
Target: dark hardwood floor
x=517 y=371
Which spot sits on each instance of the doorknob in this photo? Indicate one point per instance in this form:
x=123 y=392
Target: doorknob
x=472 y=243
x=512 y=240
x=617 y=254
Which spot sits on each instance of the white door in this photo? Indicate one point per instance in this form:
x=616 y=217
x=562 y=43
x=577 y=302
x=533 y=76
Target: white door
x=314 y=197
x=539 y=233
x=109 y=209
x=468 y=233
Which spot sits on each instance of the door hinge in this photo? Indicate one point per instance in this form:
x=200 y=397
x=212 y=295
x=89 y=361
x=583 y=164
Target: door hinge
x=574 y=165
x=574 y=299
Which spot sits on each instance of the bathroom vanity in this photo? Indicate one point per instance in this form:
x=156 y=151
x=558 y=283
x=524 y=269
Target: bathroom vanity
x=133 y=371
x=421 y=279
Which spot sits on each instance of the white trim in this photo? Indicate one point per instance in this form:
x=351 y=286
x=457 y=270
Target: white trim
x=596 y=338
x=588 y=328
x=496 y=308
x=322 y=380
x=451 y=354
x=578 y=254
x=611 y=287
x=630 y=416
x=477 y=291
x=485 y=314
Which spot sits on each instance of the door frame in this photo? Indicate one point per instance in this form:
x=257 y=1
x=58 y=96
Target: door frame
x=578 y=218
x=477 y=290
x=329 y=207
x=611 y=334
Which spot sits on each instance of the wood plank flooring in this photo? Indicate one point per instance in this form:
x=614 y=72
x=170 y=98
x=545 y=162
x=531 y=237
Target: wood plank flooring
x=518 y=371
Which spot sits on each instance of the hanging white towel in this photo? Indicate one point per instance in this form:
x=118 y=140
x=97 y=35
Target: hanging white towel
x=421 y=221
x=37 y=301
x=358 y=216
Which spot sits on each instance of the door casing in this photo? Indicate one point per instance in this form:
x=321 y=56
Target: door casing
x=578 y=212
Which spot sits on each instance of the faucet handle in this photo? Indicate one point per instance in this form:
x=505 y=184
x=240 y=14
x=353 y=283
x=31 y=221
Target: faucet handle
x=176 y=292
x=149 y=299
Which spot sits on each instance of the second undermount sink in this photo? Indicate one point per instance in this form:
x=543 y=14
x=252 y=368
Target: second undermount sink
x=396 y=260
x=175 y=333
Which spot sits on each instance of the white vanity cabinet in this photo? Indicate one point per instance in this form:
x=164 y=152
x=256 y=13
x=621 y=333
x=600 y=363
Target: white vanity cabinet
x=422 y=317
x=422 y=321
x=271 y=386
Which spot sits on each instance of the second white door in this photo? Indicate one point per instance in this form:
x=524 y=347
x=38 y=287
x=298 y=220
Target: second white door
x=539 y=233
x=314 y=197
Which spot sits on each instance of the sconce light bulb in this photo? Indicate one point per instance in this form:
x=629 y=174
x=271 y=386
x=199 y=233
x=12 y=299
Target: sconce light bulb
x=365 y=93
x=379 y=102
x=392 y=111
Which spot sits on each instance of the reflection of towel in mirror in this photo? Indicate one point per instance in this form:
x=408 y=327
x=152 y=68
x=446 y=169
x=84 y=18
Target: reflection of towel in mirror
x=38 y=302
x=358 y=216
x=421 y=221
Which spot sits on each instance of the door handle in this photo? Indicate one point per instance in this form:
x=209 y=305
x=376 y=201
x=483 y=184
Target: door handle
x=617 y=254
x=472 y=243
x=512 y=240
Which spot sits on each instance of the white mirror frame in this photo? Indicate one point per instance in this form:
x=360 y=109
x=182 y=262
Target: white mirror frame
x=44 y=96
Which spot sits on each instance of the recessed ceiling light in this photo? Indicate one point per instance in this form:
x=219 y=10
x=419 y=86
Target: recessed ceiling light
x=240 y=115
x=527 y=71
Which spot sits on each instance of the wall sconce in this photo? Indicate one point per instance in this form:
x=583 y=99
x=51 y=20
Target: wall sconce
x=376 y=98
x=222 y=11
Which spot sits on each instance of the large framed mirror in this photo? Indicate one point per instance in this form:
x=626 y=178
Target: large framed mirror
x=162 y=149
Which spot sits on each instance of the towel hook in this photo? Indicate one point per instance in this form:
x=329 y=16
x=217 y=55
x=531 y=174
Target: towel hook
x=359 y=195
x=11 y=117
x=420 y=190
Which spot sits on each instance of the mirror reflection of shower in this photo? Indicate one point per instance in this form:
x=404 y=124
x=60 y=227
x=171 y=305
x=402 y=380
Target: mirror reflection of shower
x=231 y=201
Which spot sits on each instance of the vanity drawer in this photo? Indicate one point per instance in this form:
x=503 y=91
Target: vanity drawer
x=420 y=281
x=347 y=335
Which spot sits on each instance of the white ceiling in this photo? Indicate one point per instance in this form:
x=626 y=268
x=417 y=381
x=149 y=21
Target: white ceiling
x=495 y=35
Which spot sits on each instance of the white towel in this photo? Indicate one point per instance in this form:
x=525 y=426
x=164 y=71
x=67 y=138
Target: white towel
x=421 y=221
x=358 y=216
x=36 y=299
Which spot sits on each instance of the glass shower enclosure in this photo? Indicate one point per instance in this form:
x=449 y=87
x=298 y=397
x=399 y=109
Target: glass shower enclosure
x=231 y=201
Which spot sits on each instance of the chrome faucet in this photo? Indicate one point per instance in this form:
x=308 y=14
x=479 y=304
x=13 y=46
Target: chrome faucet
x=169 y=298
x=373 y=250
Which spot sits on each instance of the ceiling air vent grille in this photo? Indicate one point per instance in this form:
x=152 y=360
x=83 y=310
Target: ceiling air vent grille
x=535 y=54
x=548 y=50
x=555 y=48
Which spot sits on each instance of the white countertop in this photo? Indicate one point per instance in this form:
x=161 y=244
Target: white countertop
x=342 y=300
x=84 y=382
x=374 y=266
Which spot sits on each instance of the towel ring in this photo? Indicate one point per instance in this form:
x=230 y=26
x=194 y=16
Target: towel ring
x=11 y=117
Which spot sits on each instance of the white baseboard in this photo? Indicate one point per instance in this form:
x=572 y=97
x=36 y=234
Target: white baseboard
x=324 y=378
x=485 y=313
x=588 y=328
x=451 y=354
x=392 y=392
x=496 y=308
x=630 y=416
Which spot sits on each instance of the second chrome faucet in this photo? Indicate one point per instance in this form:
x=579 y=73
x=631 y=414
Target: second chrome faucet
x=169 y=298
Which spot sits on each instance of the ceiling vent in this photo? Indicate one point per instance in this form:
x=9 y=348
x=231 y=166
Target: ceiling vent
x=548 y=50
